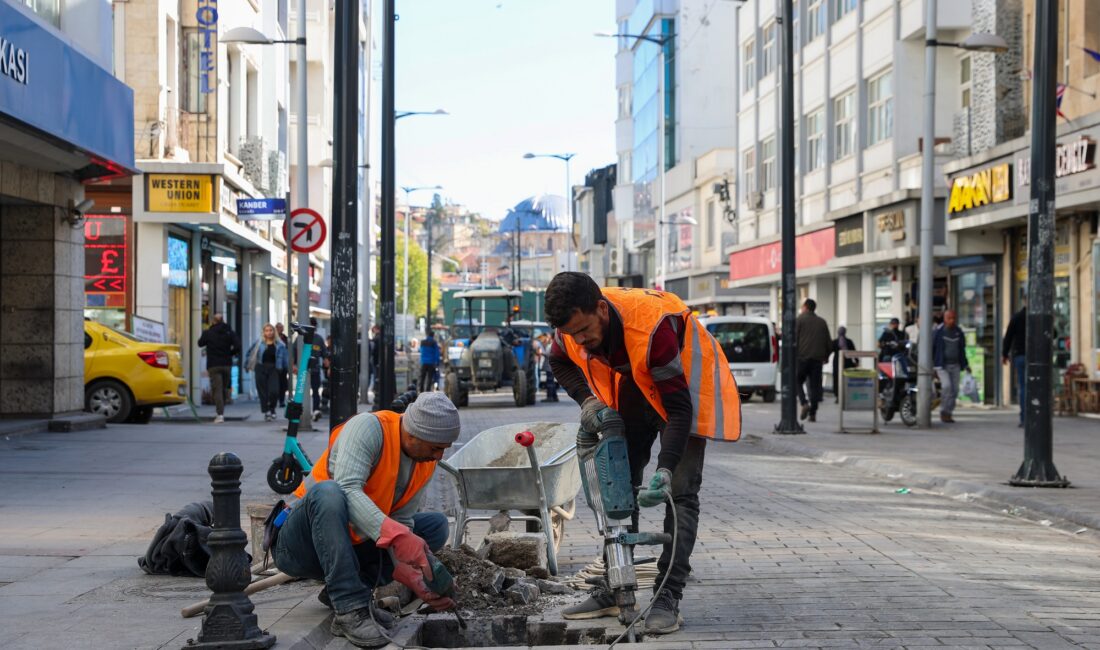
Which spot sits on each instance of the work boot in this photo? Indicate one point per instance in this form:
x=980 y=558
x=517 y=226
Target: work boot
x=599 y=603
x=805 y=412
x=664 y=615
x=358 y=627
x=381 y=616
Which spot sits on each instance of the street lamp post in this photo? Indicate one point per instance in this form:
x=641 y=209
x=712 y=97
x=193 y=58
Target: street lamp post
x=974 y=43
x=568 y=200
x=660 y=42
x=408 y=218
x=255 y=37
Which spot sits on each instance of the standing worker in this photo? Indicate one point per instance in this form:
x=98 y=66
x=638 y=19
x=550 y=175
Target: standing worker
x=429 y=362
x=814 y=347
x=356 y=525
x=948 y=358
x=221 y=344
x=640 y=361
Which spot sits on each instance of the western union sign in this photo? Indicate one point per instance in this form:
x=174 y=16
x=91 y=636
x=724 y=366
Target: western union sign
x=180 y=193
x=984 y=187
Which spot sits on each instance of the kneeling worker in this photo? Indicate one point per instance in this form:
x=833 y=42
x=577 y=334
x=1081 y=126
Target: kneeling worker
x=639 y=361
x=358 y=509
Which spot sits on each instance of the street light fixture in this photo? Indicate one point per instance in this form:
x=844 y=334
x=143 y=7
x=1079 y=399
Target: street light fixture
x=660 y=42
x=438 y=111
x=408 y=218
x=988 y=43
x=251 y=36
x=566 y=157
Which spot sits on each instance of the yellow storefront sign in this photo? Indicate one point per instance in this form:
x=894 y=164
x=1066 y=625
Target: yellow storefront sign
x=990 y=185
x=180 y=193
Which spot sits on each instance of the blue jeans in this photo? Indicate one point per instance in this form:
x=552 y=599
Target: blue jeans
x=1019 y=363
x=314 y=543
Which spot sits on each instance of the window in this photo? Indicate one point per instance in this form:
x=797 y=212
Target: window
x=750 y=170
x=842 y=8
x=192 y=99
x=964 y=81
x=844 y=132
x=880 y=108
x=815 y=140
x=712 y=227
x=768 y=50
x=748 y=64
x=767 y=164
x=625 y=109
x=815 y=19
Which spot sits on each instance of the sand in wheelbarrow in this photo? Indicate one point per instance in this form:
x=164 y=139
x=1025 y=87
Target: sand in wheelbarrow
x=478 y=588
x=516 y=455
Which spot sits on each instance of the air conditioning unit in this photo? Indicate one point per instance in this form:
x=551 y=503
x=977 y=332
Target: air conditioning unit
x=756 y=200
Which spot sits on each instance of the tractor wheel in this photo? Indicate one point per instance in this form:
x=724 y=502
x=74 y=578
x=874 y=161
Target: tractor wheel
x=532 y=395
x=519 y=389
x=452 y=389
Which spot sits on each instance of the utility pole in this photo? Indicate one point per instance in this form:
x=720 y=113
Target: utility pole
x=386 y=281
x=1038 y=469
x=927 y=219
x=345 y=212
x=306 y=418
x=788 y=421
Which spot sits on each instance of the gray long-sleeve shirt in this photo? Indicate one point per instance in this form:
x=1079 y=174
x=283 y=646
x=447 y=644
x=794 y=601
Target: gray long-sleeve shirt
x=350 y=463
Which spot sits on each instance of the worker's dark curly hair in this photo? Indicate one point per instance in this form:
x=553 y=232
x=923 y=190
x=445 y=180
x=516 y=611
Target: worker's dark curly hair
x=568 y=292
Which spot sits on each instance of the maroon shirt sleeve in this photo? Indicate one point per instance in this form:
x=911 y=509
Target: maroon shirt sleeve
x=668 y=375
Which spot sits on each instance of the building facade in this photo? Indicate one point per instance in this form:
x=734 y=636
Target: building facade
x=65 y=122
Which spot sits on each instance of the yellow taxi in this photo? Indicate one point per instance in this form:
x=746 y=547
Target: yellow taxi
x=125 y=379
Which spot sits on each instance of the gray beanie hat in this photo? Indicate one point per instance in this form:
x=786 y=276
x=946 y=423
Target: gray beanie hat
x=433 y=418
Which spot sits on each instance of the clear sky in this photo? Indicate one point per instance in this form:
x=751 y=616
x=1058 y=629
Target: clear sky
x=515 y=76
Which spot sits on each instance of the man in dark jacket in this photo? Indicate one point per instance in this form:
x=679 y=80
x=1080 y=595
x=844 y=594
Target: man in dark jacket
x=840 y=344
x=949 y=358
x=814 y=347
x=429 y=362
x=1015 y=349
x=221 y=344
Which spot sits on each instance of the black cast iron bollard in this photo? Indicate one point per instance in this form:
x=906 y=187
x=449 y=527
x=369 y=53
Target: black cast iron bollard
x=228 y=621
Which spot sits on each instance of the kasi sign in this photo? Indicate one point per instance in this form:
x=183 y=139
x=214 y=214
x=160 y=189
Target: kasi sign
x=180 y=193
x=983 y=187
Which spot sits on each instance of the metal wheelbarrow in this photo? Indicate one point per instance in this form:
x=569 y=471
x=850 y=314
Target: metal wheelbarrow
x=500 y=470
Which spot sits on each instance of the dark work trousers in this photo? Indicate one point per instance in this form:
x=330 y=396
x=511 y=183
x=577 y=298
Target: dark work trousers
x=427 y=376
x=643 y=426
x=267 y=385
x=284 y=384
x=314 y=543
x=221 y=379
x=315 y=384
x=809 y=372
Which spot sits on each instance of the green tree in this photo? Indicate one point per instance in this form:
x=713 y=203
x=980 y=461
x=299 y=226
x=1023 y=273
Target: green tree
x=418 y=277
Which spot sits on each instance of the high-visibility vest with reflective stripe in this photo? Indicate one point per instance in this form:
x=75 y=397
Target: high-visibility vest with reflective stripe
x=381 y=485
x=716 y=404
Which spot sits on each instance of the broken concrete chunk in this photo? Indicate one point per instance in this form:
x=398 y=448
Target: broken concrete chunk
x=551 y=587
x=522 y=593
x=518 y=550
x=496 y=583
x=538 y=572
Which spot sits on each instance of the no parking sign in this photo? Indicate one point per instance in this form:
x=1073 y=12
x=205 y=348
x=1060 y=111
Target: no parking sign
x=304 y=230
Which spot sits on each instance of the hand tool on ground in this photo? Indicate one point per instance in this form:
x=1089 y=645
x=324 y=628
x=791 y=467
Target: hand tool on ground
x=605 y=476
x=194 y=609
x=442 y=582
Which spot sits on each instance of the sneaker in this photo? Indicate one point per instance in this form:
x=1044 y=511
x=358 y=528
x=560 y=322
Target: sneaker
x=805 y=412
x=664 y=616
x=218 y=419
x=599 y=603
x=316 y=415
x=813 y=417
x=359 y=628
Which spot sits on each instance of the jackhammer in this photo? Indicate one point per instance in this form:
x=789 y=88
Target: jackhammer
x=605 y=475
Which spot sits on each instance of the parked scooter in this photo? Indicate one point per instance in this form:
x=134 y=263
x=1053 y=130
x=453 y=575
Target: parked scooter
x=896 y=375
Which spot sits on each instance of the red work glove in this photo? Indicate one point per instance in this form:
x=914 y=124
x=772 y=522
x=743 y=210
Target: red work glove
x=414 y=579
x=407 y=548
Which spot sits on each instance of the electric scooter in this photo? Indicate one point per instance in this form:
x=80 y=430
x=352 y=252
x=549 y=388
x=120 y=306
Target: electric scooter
x=286 y=472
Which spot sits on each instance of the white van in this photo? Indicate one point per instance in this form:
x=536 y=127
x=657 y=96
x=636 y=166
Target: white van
x=752 y=351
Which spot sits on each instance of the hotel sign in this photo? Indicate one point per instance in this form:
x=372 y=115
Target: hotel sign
x=1071 y=158
x=180 y=193
x=984 y=187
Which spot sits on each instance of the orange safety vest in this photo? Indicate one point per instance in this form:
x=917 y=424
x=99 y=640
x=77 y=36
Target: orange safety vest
x=381 y=485
x=716 y=404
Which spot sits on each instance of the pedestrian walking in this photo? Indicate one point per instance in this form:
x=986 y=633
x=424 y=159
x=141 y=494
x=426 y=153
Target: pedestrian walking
x=429 y=362
x=551 y=384
x=949 y=359
x=221 y=344
x=317 y=358
x=363 y=497
x=266 y=359
x=1015 y=350
x=814 y=347
x=326 y=378
x=637 y=361
x=912 y=331
x=284 y=380
x=840 y=344
x=375 y=353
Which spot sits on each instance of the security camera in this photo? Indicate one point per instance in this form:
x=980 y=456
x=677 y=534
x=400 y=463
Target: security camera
x=75 y=218
x=84 y=206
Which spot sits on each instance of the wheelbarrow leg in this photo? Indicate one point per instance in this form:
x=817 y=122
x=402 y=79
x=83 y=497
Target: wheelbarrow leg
x=544 y=513
x=460 y=510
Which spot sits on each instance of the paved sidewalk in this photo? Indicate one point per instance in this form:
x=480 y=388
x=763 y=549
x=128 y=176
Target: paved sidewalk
x=971 y=459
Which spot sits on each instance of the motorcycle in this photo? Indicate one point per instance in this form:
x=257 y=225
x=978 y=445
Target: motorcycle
x=895 y=375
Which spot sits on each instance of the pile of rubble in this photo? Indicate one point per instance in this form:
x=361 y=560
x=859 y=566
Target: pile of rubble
x=506 y=576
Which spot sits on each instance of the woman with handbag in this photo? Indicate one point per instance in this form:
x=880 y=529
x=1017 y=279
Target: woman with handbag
x=267 y=358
